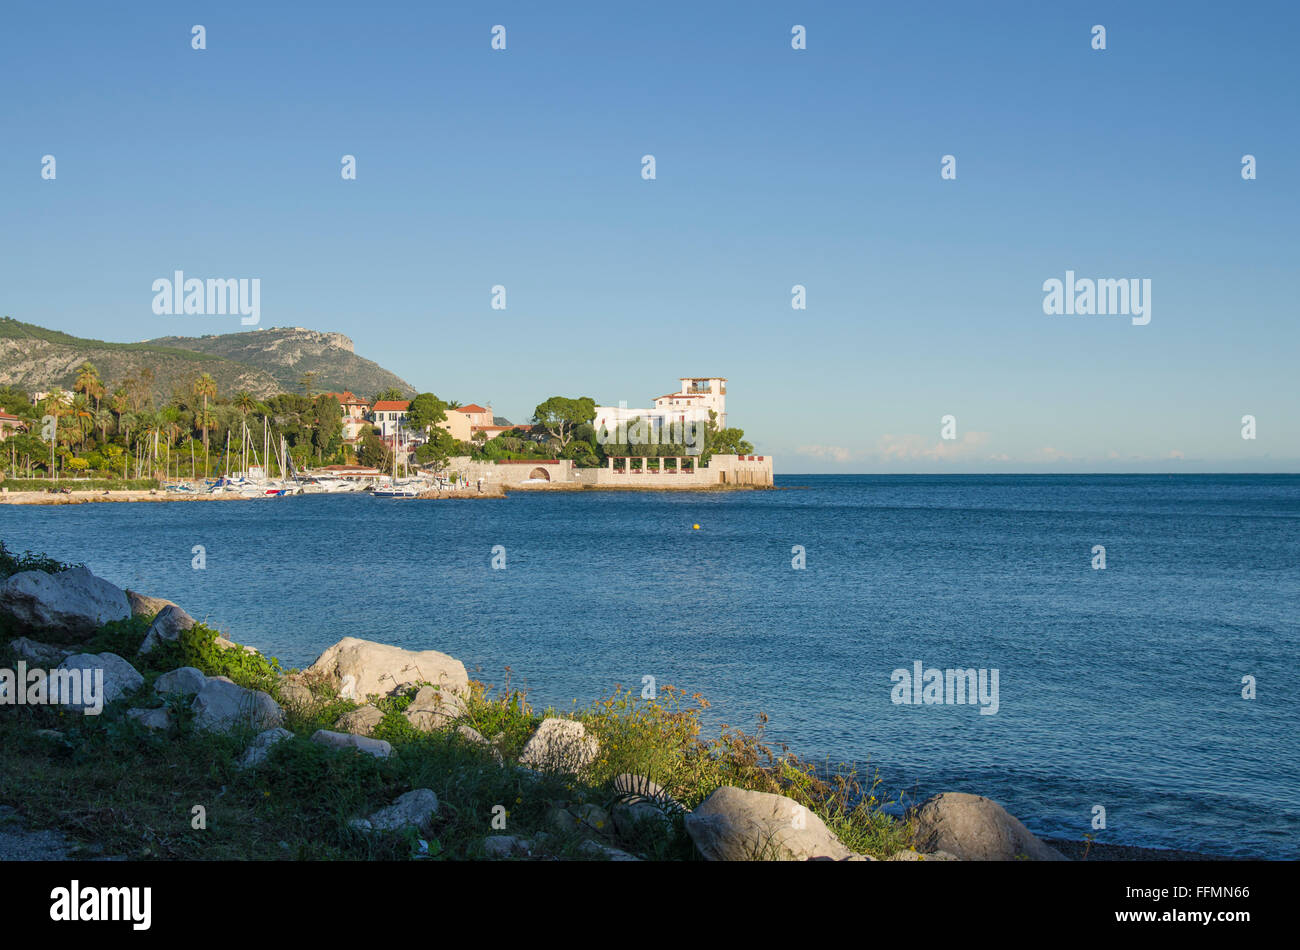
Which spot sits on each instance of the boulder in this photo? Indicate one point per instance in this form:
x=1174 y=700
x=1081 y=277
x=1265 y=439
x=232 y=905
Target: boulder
x=975 y=828
x=360 y=722
x=143 y=605
x=413 y=810
x=33 y=652
x=628 y=816
x=294 y=694
x=505 y=846
x=433 y=708
x=167 y=627
x=120 y=677
x=361 y=668
x=560 y=745
x=73 y=602
x=345 y=740
x=604 y=852
x=734 y=824
x=222 y=706
x=186 y=681
x=581 y=819
x=160 y=718
x=231 y=645
x=260 y=747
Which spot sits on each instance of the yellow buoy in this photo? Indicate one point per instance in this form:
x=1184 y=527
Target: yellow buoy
x=695 y=527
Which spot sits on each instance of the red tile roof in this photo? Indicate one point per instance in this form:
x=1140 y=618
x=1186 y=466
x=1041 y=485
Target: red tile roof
x=391 y=405
x=347 y=398
x=472 y=408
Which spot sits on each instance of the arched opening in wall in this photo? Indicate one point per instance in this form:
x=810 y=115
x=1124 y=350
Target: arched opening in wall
x=540 y=474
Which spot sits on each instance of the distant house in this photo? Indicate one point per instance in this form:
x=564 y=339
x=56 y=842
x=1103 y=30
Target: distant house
x=462 y=420
x=9 y=424
x=67 y=395
x=355 y=410
x=389 y=415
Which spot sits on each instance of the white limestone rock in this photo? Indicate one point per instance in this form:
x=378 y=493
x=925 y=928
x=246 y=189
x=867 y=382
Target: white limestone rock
x=73 y=602
x=560 y=745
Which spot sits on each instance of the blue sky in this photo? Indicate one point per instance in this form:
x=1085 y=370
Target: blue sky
x=775 y=167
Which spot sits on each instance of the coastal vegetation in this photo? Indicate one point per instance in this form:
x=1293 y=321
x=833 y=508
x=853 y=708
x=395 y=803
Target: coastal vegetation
x=119 y=788
x=113 y=434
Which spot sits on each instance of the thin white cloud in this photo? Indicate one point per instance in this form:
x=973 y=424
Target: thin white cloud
x=901 y=448
x=836 y=453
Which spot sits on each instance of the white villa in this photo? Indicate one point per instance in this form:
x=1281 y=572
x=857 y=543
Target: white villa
x=692 y=403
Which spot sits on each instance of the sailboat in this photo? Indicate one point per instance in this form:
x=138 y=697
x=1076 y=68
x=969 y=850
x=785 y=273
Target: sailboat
x=393 y=489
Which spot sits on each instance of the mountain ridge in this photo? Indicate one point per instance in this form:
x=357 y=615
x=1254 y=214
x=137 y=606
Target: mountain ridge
x=262 y=362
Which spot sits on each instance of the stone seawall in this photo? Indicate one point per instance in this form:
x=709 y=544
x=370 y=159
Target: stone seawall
x=723 y=471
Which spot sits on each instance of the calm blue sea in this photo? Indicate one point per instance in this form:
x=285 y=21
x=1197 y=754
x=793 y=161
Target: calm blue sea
x=1118 y=687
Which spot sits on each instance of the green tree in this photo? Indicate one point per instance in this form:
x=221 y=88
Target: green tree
x=83 y=416
x=103 y=419
x=23 y=449
x=120 y=403
x=438 y=450
x=391 y=394
x=373 y=452
x=425 y=411
x=89 y=383
x=205 y=387
x=723 y=441
x=559 y=416
x=326 y=426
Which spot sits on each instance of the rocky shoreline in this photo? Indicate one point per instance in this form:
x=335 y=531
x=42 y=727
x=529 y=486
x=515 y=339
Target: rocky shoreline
x=358 y=691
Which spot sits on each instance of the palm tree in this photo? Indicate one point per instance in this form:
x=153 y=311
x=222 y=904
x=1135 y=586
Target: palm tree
x=151 y=427
x=82 y=414
x=206 y=387
x=205 y=419
x=245 y=403
x=120 y=403
x=125 y=423
x=102 y=419
x=171 y=423
x=54 y=406
x=89 y=383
